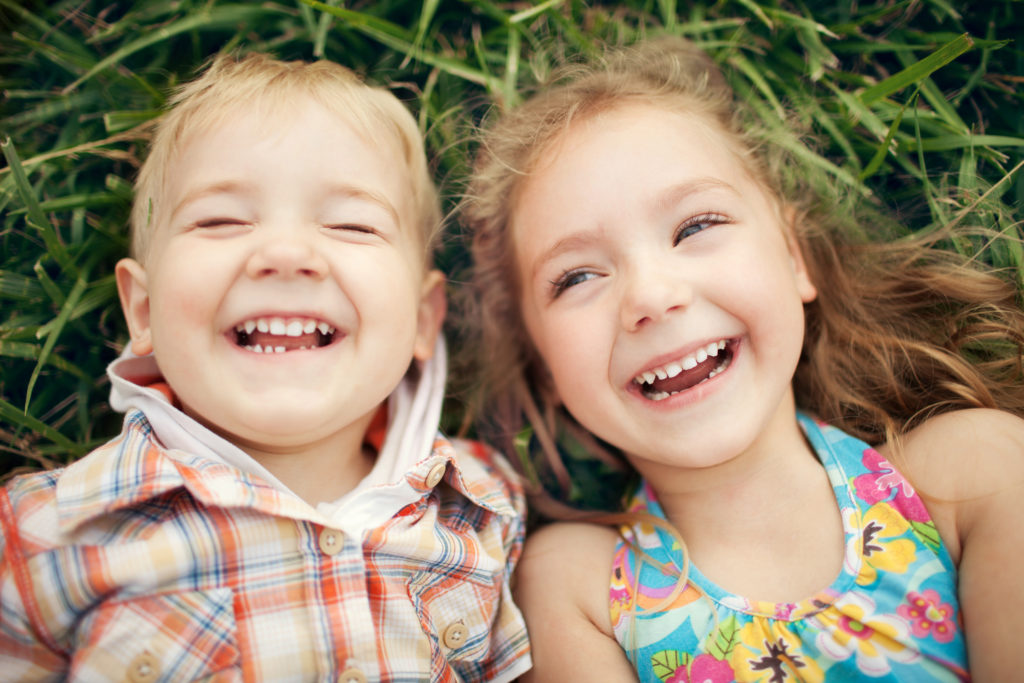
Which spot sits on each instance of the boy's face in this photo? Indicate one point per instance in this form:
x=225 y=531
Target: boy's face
x=284 y=294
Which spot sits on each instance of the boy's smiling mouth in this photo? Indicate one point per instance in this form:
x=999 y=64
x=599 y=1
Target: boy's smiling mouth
x=277 y=334
x=666 y=380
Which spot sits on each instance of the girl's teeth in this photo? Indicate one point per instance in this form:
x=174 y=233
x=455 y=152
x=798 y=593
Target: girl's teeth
x=662 y=395
x=688 y=363
x=249 y=326
x=277 y=326
x=295 y=328
x=262 y=325
x=310 y=326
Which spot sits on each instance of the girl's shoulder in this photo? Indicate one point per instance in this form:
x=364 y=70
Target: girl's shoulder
x=964 y=463
x=567 y=558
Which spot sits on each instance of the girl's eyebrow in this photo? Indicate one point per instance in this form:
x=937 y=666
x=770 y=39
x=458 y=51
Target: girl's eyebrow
x=566 y=244
x=674 y=194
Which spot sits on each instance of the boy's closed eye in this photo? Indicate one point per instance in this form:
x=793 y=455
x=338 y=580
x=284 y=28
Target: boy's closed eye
x=355 y=228
x=219 y=222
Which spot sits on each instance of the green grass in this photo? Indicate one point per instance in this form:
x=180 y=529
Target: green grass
x=912 y=98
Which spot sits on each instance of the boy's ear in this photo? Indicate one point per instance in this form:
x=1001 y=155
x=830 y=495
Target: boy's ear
x=432 y=309
x=133 y=289
x=804 y=285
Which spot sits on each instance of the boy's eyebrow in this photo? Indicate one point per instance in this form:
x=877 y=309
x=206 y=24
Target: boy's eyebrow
x=337 y=189
x=222 y=187
x=662 y=201
x=356 y=192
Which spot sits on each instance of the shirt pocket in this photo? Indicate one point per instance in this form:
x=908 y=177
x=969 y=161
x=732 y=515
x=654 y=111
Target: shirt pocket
x=179 y=636
x=458 y=614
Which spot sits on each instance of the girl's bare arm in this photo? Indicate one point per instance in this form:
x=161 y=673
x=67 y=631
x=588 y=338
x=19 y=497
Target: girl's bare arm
x=969 y=467
x=562 y=585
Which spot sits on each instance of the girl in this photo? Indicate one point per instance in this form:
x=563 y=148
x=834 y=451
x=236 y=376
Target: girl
x=654 y=264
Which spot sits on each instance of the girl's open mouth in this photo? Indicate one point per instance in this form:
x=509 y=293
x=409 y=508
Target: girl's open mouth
x=278 y=335
x=659 y=383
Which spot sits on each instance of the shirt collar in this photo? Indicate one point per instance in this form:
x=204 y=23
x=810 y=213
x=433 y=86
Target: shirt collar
x=162 y=448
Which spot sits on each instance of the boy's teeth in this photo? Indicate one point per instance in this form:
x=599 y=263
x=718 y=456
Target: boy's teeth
x=282 y=327
x=675 y=367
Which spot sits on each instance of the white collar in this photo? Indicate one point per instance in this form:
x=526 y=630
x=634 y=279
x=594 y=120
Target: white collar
x=414 y=412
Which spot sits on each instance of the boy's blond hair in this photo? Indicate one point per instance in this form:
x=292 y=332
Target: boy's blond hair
x=260 y=81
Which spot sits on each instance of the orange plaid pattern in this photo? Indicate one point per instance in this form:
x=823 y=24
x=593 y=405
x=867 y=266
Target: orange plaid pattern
x=143 y=563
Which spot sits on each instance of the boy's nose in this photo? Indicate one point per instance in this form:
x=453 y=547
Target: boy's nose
x=285 y=254
x=651 y=293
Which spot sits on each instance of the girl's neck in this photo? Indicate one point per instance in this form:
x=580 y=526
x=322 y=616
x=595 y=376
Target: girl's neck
x=765 y=524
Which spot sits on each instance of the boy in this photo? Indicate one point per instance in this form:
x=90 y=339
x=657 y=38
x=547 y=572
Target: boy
x=279 y=505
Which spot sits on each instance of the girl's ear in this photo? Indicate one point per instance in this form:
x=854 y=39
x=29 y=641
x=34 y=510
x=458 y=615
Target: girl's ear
x=808 y=292
x=133 y=290
x=432 y=309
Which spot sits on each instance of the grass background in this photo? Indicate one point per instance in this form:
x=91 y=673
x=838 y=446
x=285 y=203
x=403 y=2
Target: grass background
x=911 y=97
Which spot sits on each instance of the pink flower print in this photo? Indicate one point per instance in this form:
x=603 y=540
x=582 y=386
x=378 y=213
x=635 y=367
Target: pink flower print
x=703 y=669
x=929 y=616
x=885 y=483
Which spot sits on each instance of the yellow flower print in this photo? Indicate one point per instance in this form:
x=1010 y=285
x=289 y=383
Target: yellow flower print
x=882 y=544
x=768 y=652
x=850 y=628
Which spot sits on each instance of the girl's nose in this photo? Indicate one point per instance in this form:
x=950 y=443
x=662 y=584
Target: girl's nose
x=286 y=253
x=651 y=293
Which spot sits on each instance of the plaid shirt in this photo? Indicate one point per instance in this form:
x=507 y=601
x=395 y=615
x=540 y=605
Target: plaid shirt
x=144 y=563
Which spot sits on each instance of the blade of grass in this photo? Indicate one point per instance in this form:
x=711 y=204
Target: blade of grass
x=218 y=17
x=949 y=142
x=394 y=37
x=25 y=350
x=35 y=218
x=22 y=419
x=918 y=71
x=54 y=334
x=887 y=146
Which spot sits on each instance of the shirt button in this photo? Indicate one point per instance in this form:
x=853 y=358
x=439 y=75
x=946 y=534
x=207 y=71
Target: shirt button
x=331 y=542
x=436 y=474
x=454 y=636
x=352 y=676
x=143 y=669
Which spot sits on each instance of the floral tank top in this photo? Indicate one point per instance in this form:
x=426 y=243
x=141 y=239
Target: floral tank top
x=891 y=615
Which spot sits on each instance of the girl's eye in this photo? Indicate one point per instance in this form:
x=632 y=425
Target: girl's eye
x=569 y=278
x=691 y=226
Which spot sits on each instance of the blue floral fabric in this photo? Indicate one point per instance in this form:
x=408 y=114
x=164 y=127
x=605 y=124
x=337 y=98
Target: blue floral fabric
x=891 y=615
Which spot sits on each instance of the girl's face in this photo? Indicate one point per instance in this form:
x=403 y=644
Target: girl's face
x=660 y=287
